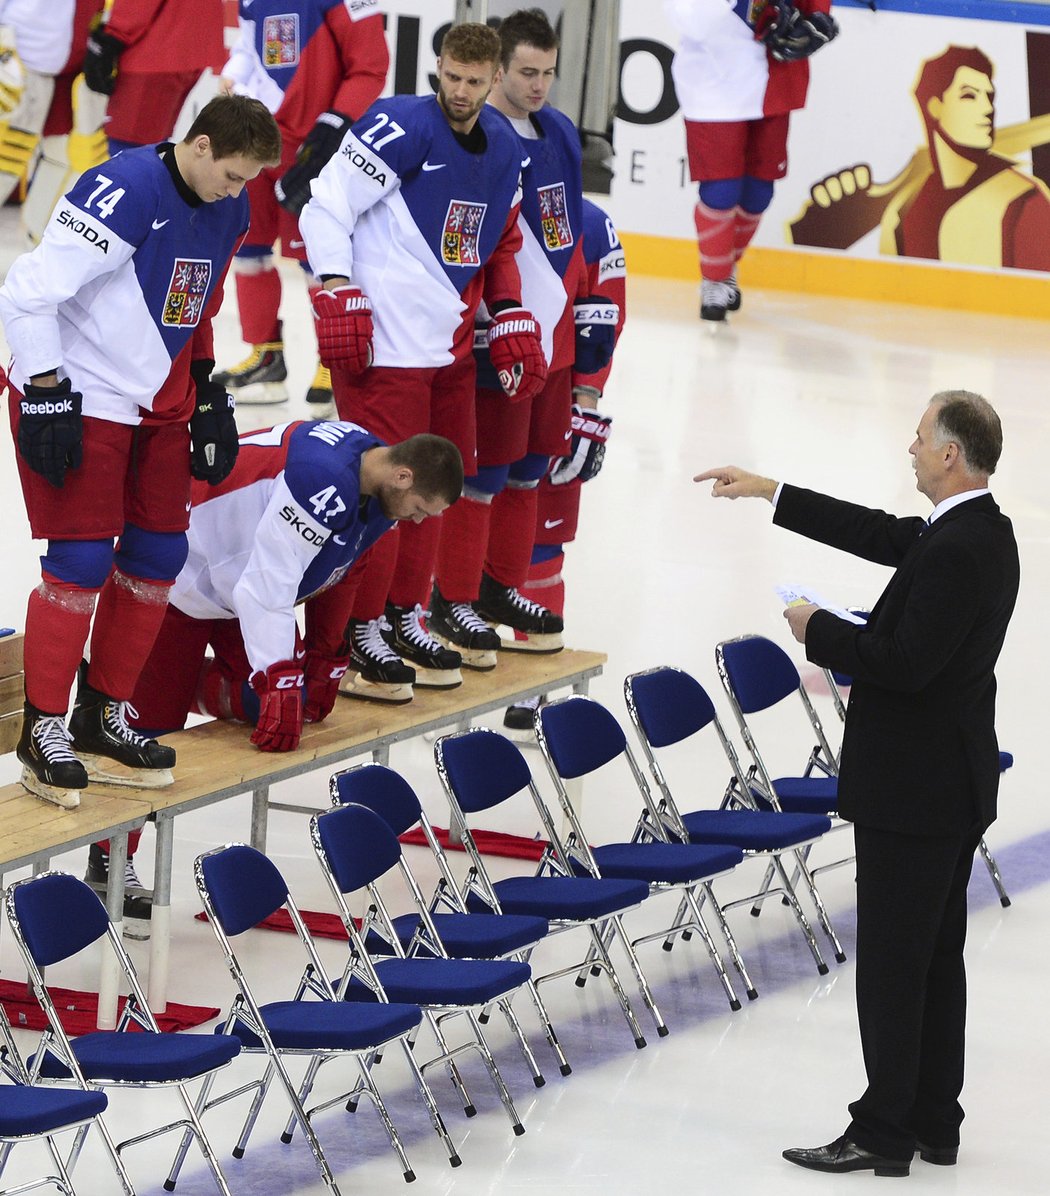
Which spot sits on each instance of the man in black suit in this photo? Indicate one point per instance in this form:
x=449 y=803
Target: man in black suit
x=920 y=766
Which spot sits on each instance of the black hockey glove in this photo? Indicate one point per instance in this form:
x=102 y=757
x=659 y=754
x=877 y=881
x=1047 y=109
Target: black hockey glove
x=293 y=187
x=213 y=429
x=50 y=431
x=100 y=62
x=791 y=36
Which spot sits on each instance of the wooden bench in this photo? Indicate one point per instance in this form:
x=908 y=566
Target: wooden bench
x=216 y=762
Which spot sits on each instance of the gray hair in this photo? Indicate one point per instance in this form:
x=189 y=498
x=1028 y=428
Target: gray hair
x=971 y=422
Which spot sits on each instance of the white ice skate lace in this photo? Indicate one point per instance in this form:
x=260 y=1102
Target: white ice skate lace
x=517 y=599
x=369 y=639
x=715 y=292
x=54 y=739
x=131 y=877
x=413 y=630
x=115 y=718
x=466 y=615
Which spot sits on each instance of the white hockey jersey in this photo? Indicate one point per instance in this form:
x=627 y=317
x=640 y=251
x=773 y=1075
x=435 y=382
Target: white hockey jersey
x=721 y=72
x=411 y=216
x=128 y=274
x=287 y=523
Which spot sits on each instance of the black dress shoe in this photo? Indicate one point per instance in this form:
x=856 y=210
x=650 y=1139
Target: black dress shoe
x=842 y=1155
x=939 y=1156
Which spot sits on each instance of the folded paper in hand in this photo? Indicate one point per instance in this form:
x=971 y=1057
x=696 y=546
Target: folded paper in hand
x=796 y=595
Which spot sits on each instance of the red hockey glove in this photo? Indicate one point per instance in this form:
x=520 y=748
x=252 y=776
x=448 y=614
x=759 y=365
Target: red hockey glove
x=517 y=353
x=343 y=319
x=280 y=721
x=590 y=431
x=322 y=676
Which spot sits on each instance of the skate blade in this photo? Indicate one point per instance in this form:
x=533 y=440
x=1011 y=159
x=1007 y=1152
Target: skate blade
x=102 y=770
x=137 y=929
x=68 y=799
x=540 y=644
x=325 y=410
x=482 y=660
x=261 y=394
x=438 y=678
x=353 y=685
x=527 y=738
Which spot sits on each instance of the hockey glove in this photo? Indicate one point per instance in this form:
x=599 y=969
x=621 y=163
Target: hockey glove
x=590 y=431
x=100 y=61
x=790 y=36
x=213 y=431
x=12 y=72
x=322 y=676
x=280 y=721
x=293 y=187
x=50 y=430
x=517 y=353
x=343 y=319
x=596 y=319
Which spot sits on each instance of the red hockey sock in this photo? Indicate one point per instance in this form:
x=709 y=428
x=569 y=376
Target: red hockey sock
x=416 y=558
x=127 y=621
x=58 y=620
x=714 y=233
x=511 y=535
x=745 y=225
x=375 y=572
x=258 y=301
x=133 y=843
x=545 y=585
x=461 y=553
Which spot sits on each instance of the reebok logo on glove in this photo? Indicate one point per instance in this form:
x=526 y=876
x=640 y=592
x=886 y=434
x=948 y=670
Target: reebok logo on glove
x=63 y=408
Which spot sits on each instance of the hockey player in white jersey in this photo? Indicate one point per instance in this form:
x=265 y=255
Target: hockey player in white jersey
x=112 y=407
x=304 y=501
x=415 y=217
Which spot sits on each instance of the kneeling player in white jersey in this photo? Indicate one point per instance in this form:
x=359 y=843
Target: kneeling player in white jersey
x=303 y=502
x=112 y=408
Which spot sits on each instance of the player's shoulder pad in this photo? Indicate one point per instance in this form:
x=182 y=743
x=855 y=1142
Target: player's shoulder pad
x=122 y=194
x=323 y=470
x=393 y=133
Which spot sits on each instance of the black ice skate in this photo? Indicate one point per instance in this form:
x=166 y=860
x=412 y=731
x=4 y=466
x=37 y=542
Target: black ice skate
x=381 y=675
x=138 y=900
x=505 y=606
x=320 y=401
x=519 y=720
x=436 y=667
x=113 y=752
x=459 y=625
x=50 y=769
x=716 y=298
x=258 y=379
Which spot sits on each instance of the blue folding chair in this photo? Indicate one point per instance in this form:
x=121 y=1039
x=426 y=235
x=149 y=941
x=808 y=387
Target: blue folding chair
x=577 y=737
x=668 y=706
x=355 y=847
x=239 y=887
x=29 y=1113
x=757 y=675
x=460 y=933
x=480 y=769
x=55 y=916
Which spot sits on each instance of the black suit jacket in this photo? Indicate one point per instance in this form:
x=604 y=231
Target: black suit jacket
x=919 y=751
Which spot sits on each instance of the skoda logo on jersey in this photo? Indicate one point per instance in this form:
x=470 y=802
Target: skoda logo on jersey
x=554 y=216
x=310 y=534
x=187 y=291
x=90 y=234
x=369 y=167
x=461 y=236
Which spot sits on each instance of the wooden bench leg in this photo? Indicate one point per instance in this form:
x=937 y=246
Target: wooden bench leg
x=160 y=934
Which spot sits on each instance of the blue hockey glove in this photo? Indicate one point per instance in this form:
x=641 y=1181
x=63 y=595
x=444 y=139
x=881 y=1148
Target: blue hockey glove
x=50 y=430
x=596 y=319
x=590 y=431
